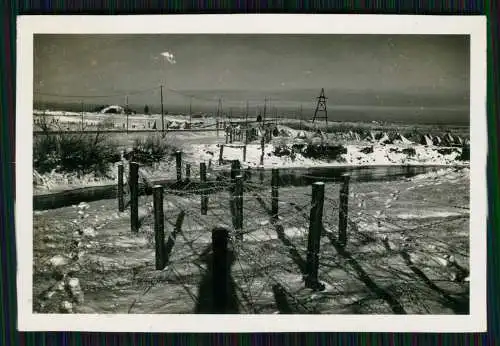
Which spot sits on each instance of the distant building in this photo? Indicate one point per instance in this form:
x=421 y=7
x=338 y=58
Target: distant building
x=113 y=110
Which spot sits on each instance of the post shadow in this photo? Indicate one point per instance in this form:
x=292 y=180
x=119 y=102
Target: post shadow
x=169 y=245
x=460 y=307
x=296 y=257
x=395 y=305
x=217 y=289
x=281 y=300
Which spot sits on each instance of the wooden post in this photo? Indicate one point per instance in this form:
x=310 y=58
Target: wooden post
x=134 y=196
x=315 y=226
x=178 y=164
x=238 y=206
x=261 y=174
x=248 y=173
x=161 y=100
x=343 y=208
x=217 y=127
x=262 y=151
x=246 y=116
x=245 y=153
x=83 y=127
x=209 y=163
x=220 y=268
x=221 y=151
x=227 y=135
x=235 y=169
x=204 y=195
x=300 y=117
x=160 y=258
x=188 y=172
x=127 y=122
x=231 y=135
x=121 y=204
x=274 y=193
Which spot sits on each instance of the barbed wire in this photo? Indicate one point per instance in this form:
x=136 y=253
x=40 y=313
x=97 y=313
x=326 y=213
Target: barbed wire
x=290 y=213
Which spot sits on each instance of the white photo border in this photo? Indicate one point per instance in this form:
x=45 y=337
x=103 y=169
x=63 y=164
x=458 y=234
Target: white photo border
x=475 y=26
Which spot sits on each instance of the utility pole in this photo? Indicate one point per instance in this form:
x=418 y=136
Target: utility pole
x=190 y=108
x=264 y=114
x=219 y=110
x=126 y=110
x=300 y=116
x=246 y=115
x=162 y=121
x=82 y=115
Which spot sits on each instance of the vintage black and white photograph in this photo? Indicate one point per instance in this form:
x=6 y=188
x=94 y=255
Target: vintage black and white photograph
x=251 y=174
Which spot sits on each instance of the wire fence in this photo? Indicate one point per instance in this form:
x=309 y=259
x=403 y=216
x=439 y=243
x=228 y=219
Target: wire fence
x=283 y=248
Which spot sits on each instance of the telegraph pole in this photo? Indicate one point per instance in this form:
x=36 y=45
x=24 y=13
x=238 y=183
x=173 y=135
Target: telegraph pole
x=190 y=108
x=300 y=116
x=162 y=121
x=264 y=114
x=82 y=115
x=126 y=110
x=246 y=115
x=219 y=109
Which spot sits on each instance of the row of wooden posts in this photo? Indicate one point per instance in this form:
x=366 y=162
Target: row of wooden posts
x=237 y=191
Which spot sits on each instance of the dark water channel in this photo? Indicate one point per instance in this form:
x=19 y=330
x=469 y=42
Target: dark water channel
x=307 y=176
x=287 y=177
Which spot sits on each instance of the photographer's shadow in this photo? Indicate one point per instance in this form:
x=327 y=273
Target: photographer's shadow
x=217 y=290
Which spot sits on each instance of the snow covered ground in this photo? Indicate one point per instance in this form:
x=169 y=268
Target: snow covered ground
x=202 y=147
x=106 y=267
x=382 y=155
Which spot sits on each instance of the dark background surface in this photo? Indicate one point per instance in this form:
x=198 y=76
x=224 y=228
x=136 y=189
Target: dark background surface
x=9 y=335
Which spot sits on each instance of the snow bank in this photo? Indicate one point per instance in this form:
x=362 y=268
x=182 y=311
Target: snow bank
x=381 y=155
x=54 y=113
x=450 y=174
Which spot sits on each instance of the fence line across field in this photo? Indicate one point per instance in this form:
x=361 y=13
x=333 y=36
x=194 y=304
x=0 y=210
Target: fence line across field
x=240 y=193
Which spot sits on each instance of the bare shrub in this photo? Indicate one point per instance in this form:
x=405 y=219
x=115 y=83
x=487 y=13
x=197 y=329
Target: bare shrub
x=81 y=153
x=151 y=149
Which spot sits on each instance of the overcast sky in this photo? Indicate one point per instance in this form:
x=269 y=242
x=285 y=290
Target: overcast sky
x=237 y=67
